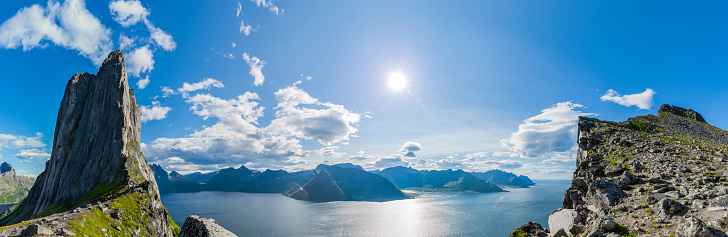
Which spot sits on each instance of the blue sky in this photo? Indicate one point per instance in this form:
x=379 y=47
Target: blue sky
x=490 y=84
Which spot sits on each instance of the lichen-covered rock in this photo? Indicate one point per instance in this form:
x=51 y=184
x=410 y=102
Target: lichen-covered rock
x=693 y=227
x=196 y=226
x=603 y=193
x=96 y=168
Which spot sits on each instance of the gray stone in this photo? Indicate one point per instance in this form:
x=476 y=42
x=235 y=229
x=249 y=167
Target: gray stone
x=720 y=202
x=669 y=207
x=560 y=233
x=196 y=226
x=693 y=227
x=608 y=224
x=604 y=194
x=562 y=219
x=614 y=169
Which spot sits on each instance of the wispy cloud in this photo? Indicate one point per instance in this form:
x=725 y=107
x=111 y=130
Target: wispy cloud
x=205 y=84
x=641 y=100
x=79 y=30
x=268 y=4
x=256 y=68
x=244 y=28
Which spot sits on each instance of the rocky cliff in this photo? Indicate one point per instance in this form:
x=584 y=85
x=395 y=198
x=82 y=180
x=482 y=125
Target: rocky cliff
x=662 y=175
x=96 y=182
x=13 y=187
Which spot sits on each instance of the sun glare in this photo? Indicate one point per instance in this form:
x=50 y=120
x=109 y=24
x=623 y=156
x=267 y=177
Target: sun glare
x=397 y=81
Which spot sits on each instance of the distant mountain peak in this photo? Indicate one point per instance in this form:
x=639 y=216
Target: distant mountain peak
x=5 y=168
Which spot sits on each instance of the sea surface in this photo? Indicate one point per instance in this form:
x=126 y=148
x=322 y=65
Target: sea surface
x=430 y=214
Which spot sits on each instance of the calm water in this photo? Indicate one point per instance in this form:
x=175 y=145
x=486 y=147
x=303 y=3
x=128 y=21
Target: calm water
x=431 y=214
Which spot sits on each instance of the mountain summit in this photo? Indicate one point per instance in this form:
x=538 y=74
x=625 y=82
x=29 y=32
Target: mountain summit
x=96 y=168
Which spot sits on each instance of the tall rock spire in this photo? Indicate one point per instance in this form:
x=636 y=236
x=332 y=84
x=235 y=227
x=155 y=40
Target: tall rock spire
x=95 y=156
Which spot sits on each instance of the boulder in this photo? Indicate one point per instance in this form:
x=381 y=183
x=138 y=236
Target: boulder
x=693 y=227
x=603 y=194
x=669 y=207
x=196 y=226
x=562 y=219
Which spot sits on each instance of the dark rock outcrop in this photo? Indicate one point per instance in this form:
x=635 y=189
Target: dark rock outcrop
x=196 y=226
x=96 y=172
x=661 y=175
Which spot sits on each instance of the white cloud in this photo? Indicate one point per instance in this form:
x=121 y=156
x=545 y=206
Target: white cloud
x=205 y=84
x=505 y=164
x=33 y=154
x=554 y=130
x=331 y=124
x=166 y=91
x=240 y=9
x=329 y=152
x=17 y=141
x=154 y=112
x=391 y=161
x=233 y=140
x=78 y=30
x=245 y=29
x=448 y=163
x=125 y=42
x=256 y=68
x=477 y=155
x=161 y=38
x=142 y=83
x=641 y=100
x=128 y=13
x=140 y=61
x=268 y=4
x=234 y=45
x=409 y=148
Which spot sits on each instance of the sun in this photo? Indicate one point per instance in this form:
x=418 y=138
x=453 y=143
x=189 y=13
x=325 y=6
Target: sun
x=397 y=81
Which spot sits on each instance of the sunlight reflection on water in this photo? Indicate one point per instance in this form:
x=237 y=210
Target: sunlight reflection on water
x=431 y=214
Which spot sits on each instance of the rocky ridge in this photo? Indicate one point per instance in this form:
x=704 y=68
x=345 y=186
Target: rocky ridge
x=662 y=175
x=96 y=182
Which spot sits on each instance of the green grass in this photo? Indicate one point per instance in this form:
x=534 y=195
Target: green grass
x=518 y=233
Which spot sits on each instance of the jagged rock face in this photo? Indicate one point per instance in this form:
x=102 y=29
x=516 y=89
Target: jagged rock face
x=95 y=159
x=650 y=174
x=196 y=226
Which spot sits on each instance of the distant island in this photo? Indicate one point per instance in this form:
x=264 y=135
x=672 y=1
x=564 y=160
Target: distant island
x=339 y=182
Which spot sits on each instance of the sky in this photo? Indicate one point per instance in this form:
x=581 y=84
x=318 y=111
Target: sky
x=473 y=85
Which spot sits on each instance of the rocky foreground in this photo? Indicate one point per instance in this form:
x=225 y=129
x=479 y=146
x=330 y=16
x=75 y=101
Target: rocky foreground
x=661 y=175
x=96 y=182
